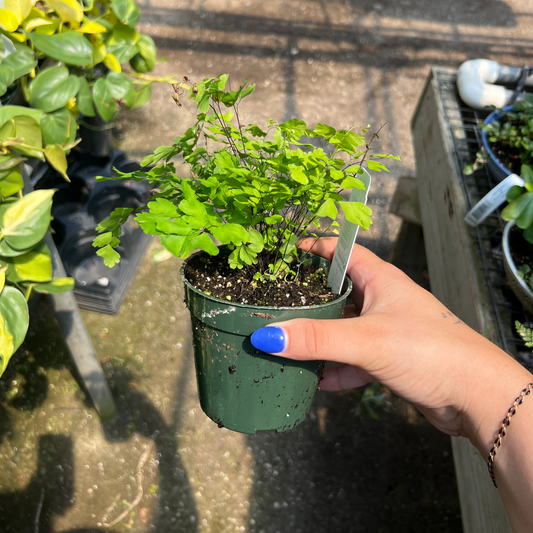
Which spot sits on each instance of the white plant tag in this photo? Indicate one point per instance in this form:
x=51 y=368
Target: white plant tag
x=347 y=236
x=492 y=200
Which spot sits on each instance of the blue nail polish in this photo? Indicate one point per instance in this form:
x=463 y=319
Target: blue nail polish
x=270 y=339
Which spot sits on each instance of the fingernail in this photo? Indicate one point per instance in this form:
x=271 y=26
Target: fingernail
x=270 y=339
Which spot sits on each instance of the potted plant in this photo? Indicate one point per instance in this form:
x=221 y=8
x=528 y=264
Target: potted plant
x=85 y=45
x=507 y=136
x=25 y=260
x=517 y=240
x=256 y=192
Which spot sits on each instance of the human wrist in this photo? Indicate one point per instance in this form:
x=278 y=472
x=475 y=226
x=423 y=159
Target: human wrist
x=490 y=397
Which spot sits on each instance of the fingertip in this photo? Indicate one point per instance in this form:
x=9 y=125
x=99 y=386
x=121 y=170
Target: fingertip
x=270 y=339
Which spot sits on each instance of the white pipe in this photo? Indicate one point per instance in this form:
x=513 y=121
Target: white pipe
x=475 y=80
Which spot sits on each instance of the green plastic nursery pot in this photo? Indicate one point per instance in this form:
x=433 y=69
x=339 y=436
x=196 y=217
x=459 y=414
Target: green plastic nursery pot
x=241 y=388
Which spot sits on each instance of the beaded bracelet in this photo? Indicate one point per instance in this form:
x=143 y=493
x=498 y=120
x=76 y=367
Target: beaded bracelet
x=506 y=421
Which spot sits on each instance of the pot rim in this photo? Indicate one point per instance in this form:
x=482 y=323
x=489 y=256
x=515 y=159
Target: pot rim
x=495 y=115
x=343 y=296
x=507 y=254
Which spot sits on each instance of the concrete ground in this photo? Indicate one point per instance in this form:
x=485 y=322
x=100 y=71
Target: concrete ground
x=162 y=463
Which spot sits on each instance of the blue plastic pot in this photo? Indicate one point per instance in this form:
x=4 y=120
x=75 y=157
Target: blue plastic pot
x=495 y=167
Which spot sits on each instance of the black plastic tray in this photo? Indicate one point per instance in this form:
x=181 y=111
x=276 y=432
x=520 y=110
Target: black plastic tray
x=78 y=208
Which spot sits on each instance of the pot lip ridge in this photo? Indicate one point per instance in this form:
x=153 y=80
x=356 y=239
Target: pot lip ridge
x=495 y=115
x=270 y=308
x=508 y=257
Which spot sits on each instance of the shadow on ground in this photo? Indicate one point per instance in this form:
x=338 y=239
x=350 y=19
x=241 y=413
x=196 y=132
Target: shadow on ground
x=50 y=491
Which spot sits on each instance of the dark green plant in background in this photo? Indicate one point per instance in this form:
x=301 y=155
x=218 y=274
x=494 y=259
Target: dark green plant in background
x=91 y=41
x=525 y=333
x=510 y=137
x=520 y=207
x=25 y=260
x=258 y=191
x=512 y=134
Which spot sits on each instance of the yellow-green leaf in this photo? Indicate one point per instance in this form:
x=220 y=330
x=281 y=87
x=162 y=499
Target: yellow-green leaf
x=2 y=277
x=111 y=62
x=24 y=223
x=68 y=10
x=36 y=23
x=8 y=20
x=6 y=345
x=32 y=266
x=92 y=27
x=54 y=286
x=14 y=323
x=11 y=182
x=20 y=8
x=55 y=154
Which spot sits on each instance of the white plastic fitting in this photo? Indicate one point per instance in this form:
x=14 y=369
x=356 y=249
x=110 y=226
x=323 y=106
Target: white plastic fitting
x=476 y=79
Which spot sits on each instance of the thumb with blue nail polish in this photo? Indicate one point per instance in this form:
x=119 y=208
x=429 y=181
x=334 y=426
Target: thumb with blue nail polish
x=270 y=339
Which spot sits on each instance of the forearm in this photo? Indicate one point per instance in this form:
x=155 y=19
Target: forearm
x=498 y=383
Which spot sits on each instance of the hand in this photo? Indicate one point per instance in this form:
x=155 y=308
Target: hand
x=399 y=334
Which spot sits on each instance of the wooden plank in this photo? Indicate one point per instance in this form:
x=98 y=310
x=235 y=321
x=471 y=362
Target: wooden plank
x=456 y=279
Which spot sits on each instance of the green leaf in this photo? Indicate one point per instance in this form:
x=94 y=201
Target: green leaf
x=376 y=166
x=9 y=112
x=205 y=243
x=193 y=208
x=53 y=88
x=110 y=256
x=84 y=100
x=166 y=227
x=31 y=266
x=123 y=51
x=297 y=174
x=256 y=242
x=14 y=323
x=28 y=128
x=147 y=49
x=103 y=98
x=55 y=154
x=347 y=141
x=469 y=169
x=178 y=245
x=353 y=183
x=126 y=11
x=526 y=173
x=388 y=156
x=105 y=239
x=11 y=182
x=55 y=286
x=513 y=193
x=230 y=233
x=10 y=161
x=520 y=210
x=325 y=131
x=358 y=213
x=7 y=76
x=142 y=64
x=69 y=47
x=26 y=222
x=121 y=87
x=56 y=127
x=142 y=96
x=328 y=209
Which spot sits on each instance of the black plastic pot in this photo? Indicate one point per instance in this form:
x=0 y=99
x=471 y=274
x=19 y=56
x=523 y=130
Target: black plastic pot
x=242 y=388
x=96 y=136
x=78 y=208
